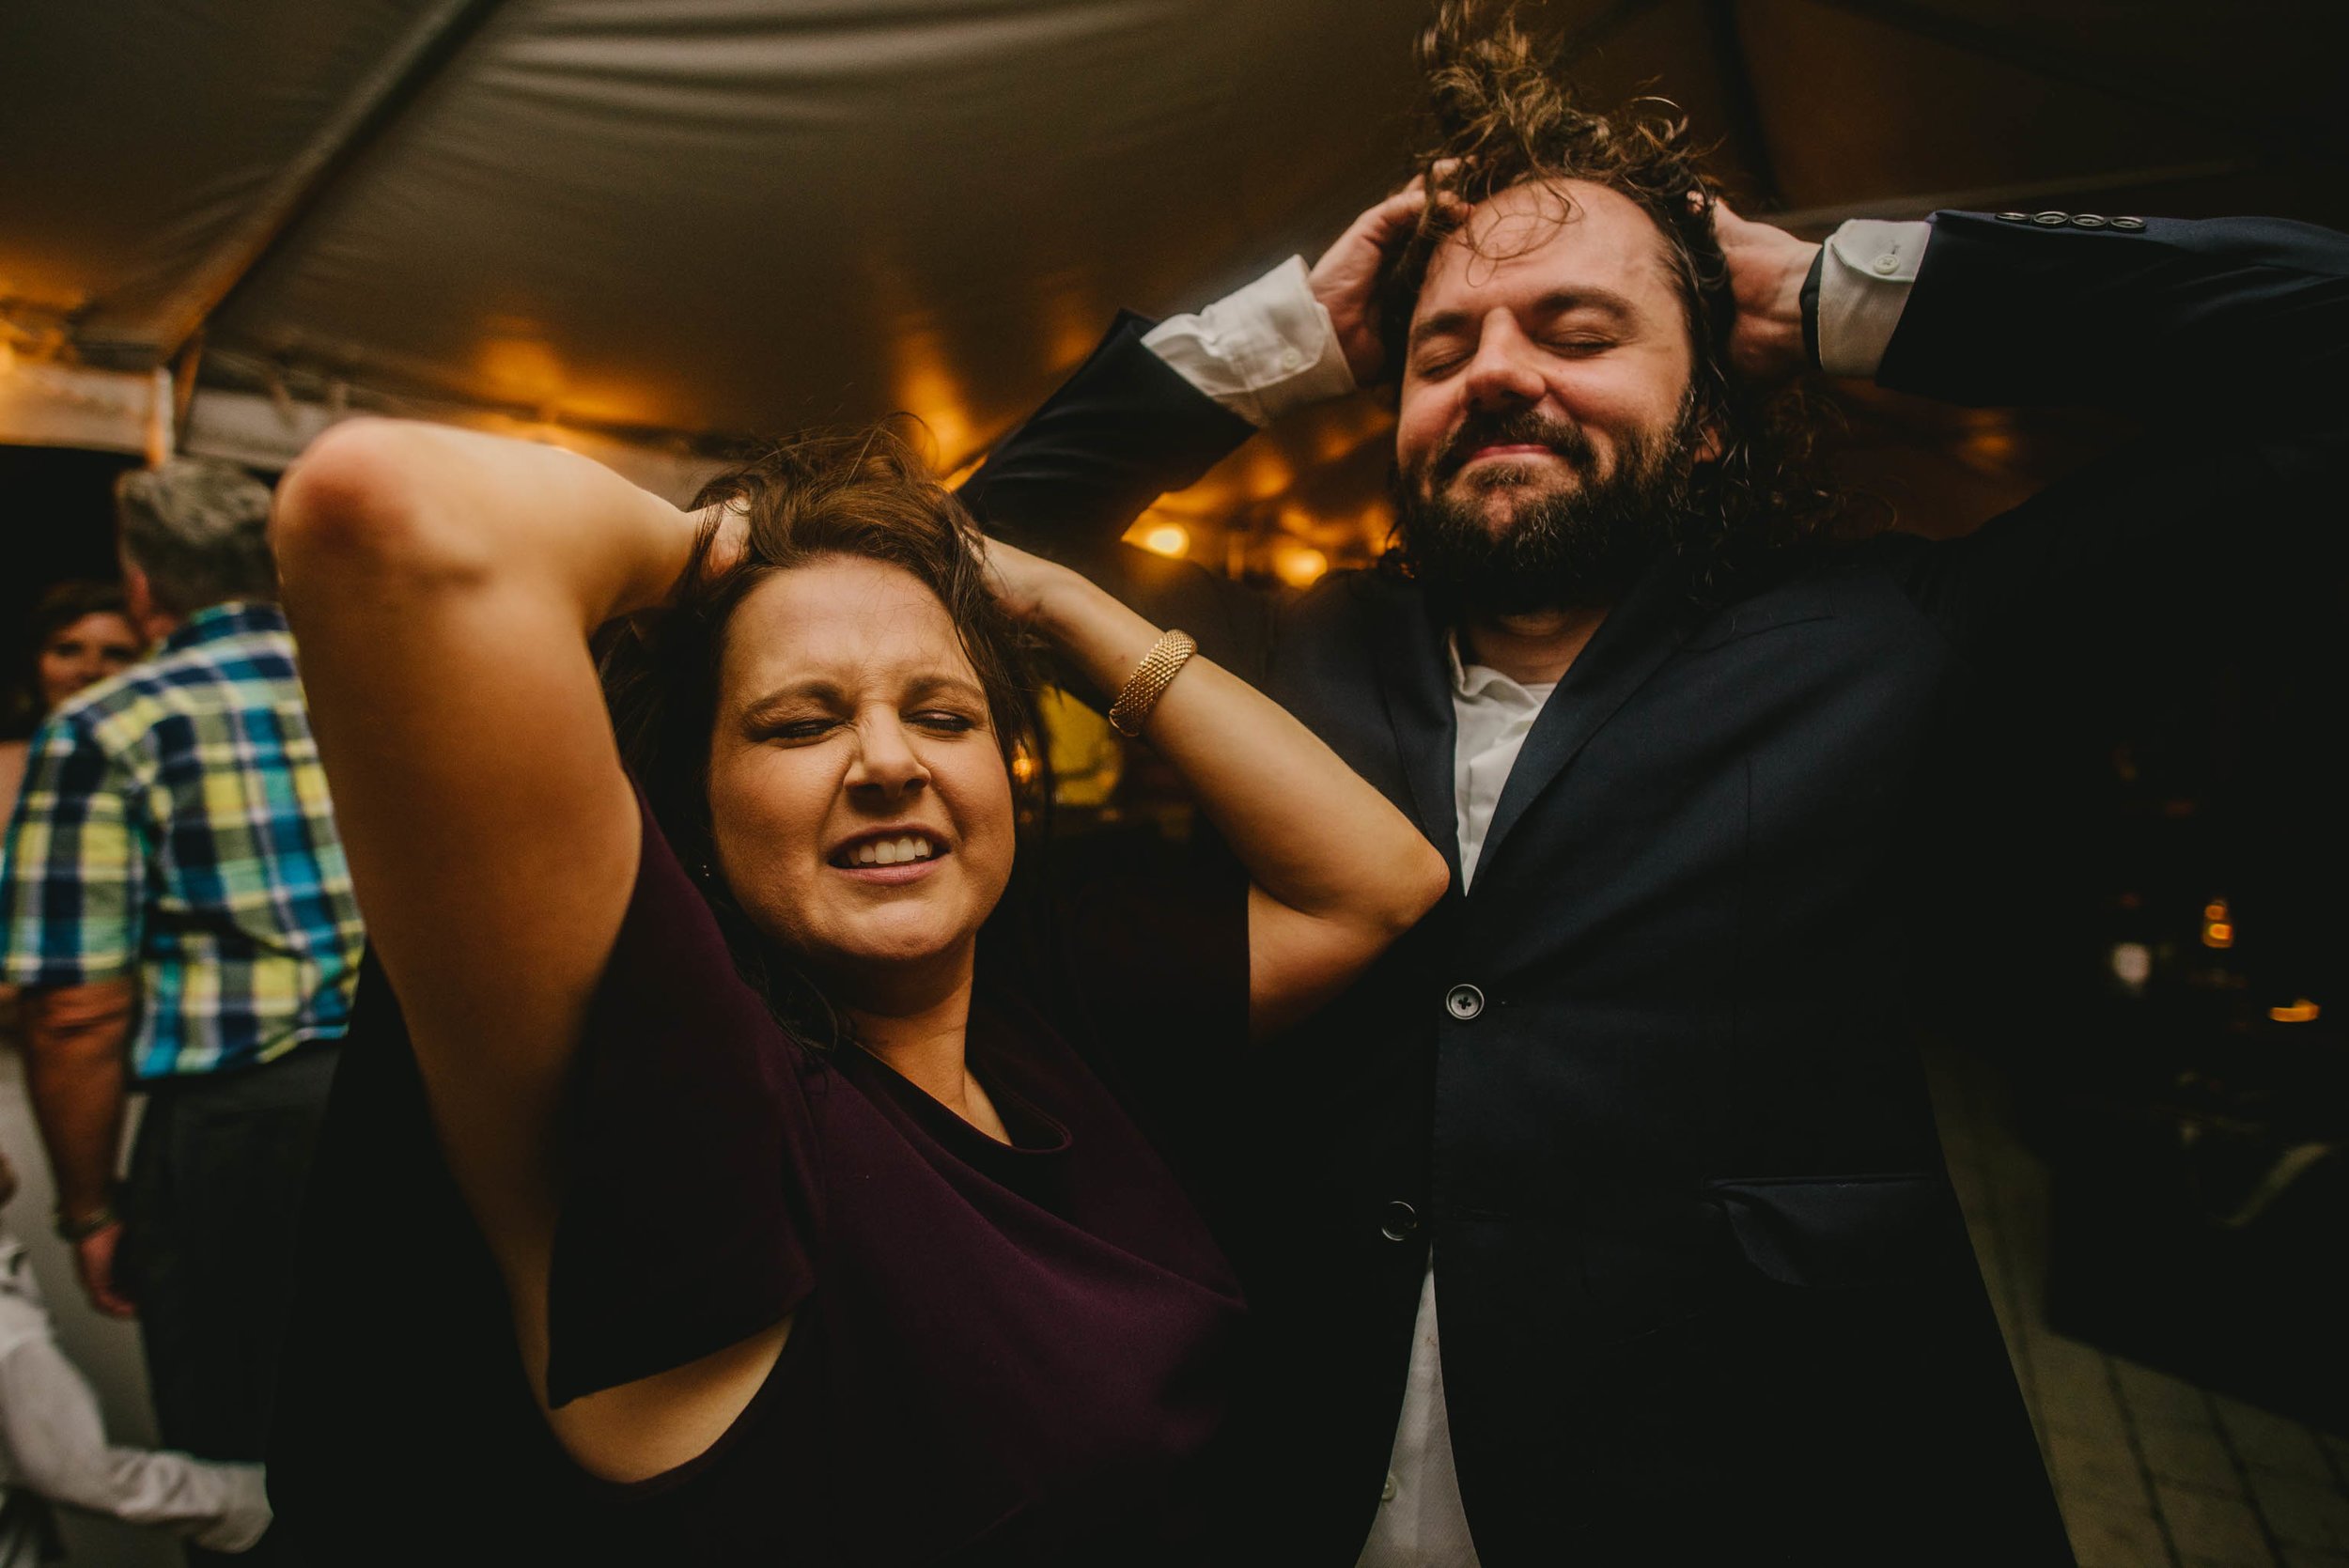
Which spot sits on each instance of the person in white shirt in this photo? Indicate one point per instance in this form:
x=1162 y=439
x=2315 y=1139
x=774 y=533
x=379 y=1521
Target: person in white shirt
x=1276 y=346
x=1604 y=1221
x=53 y=1447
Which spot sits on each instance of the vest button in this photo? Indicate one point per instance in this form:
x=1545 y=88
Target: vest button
x=1464 y=1003
x=1401 y=1223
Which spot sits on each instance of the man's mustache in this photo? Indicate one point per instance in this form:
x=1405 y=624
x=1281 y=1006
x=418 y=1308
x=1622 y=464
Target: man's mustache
x=1519 y=427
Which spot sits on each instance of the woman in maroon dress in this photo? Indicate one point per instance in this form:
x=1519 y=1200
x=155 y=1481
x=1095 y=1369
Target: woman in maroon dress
x=701 y=1186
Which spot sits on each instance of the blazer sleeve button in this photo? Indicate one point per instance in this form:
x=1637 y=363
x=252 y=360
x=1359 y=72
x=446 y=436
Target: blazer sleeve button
x=1400 y=1222
x=1464 y=1003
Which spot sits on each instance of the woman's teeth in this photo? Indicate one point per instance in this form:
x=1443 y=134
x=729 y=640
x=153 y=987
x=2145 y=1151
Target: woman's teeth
x=892 y=851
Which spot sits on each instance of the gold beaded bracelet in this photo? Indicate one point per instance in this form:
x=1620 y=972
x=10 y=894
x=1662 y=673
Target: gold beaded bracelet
x=1149 y=682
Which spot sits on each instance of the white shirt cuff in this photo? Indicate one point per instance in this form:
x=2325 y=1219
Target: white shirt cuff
x=1261 y=351
x=1863 y=287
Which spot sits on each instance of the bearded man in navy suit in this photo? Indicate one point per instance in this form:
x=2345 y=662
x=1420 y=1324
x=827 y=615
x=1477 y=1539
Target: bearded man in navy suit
x=1606 y=1223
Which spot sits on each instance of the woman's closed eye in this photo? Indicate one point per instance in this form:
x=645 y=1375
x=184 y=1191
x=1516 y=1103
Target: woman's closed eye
x=944 y=721
x=791 y=730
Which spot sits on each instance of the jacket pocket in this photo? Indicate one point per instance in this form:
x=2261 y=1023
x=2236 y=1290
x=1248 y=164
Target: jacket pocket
x=1834 y=1232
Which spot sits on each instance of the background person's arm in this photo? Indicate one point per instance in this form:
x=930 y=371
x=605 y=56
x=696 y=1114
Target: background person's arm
x=76 y=1047
x=50 y=1426
x=1336 y=872
x=72 y=922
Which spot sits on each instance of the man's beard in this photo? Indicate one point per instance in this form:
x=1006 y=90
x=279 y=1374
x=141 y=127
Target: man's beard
x=1561 y=549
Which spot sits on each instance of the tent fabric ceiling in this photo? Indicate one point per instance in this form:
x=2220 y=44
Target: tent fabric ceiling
x=742 y=215
x=136 y=139
x=688 y=218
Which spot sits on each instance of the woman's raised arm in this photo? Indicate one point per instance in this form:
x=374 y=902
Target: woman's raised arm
x=441 y=587
x=1337 y=871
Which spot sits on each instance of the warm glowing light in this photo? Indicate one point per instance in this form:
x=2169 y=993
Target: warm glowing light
x=2217 y=924
x=953 y=477
x=924 y=384
x=1268 y=474
x=2215 y=910
x=2132 y=964
x=1022 y=765
x=1167 y=538
x=925 y=377
x=1298 y=566
x=2302 y=1011
x=521 y=369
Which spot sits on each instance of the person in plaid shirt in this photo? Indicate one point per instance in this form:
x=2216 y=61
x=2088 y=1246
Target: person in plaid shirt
x=174 y=903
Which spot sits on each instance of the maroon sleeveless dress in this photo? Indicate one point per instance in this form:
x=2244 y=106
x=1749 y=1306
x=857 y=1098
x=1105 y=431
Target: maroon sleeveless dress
x=1000 y=1353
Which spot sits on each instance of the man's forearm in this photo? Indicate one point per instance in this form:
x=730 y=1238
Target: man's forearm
x=2221 y=322
x=75 y=1065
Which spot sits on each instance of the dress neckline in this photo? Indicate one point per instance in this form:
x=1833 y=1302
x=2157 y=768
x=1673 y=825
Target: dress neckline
x=1040 y=1140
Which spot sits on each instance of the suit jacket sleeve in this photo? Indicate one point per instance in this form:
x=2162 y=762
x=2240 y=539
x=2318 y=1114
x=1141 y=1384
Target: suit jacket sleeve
x=2228 y=338
x=1067 y=483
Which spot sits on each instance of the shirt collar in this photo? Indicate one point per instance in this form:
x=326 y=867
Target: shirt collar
x=1474 y=682
x=215 y=622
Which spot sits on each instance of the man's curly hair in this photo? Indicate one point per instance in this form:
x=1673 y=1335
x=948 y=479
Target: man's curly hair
x=1501 y=113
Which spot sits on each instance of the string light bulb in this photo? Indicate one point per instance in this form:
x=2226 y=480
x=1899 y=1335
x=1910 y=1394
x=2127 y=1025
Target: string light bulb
x=1170 y=539
x=1300 y=565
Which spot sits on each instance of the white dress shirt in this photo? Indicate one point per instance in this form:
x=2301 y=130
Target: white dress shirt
x=52 y=1448
x=1271 y=348
x=1421 y=1523
x=1260 y=353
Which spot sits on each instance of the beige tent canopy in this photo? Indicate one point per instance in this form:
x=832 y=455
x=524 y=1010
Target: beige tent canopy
x=634 y=225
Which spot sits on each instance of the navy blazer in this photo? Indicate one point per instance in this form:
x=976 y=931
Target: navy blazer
x=1647 y=1091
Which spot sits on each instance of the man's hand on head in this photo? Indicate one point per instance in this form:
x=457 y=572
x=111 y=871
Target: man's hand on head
x=1767 y=269
x=1346 y=279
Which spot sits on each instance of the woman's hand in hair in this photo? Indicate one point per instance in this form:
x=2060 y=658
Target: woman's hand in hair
x=1023 y=583
x=1338 y=872
x=728 y=522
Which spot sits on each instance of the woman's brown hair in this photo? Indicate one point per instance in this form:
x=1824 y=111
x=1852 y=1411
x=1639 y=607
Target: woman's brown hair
x=867 y=494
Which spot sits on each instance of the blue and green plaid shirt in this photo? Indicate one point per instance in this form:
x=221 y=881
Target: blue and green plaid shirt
x=175 y=825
